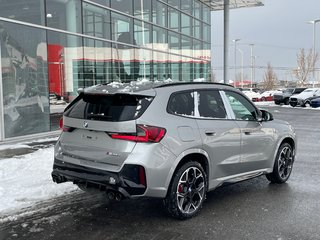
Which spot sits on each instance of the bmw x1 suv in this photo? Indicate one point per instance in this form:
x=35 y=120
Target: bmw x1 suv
x=174 y=141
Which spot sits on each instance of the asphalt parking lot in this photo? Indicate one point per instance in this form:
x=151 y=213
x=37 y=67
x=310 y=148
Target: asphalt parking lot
x=253 y=209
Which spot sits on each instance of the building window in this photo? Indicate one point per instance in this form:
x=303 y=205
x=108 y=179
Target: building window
x=122 y=28
x=159 y=13
x=174 y=3
x=96 y=21
x=173 y=19
x=187 y=6
x=206 y=14
x=102 y=2
x=160 y=39
x=142 y=33
x=65 y=15
x=197 y=10
x=124 y=6
x=145 y=12
x=24 y=80
x=185 y=24
x=31 y=11
x=197 y=29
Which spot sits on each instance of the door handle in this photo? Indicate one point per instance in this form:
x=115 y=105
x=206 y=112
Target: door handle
x=210 y=133
x=247 y=133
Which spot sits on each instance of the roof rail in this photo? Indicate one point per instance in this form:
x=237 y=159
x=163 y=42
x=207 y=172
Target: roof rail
x=191 y=83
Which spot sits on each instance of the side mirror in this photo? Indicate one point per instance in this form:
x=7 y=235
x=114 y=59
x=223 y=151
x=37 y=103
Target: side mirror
x=265 y=116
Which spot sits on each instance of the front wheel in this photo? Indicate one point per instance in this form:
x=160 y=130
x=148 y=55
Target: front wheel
x=187 y=191
x=307 y=104
x=286 y=101
x=283 y=164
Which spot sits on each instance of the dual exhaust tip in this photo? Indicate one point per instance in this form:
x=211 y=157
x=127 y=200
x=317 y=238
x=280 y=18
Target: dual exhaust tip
x=112 y=195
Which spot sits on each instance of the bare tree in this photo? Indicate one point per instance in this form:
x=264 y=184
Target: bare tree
x=306 y=63
x=270 y=79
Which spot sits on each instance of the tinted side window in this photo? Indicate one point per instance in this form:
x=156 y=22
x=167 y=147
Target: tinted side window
x=181 y=103
x=242 y=107
x=211 y=104
x=114 y=108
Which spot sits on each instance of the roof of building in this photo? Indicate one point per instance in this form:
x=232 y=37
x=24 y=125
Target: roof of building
x=216 y=5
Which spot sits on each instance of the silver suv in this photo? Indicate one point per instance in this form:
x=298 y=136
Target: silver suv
x=173 y=141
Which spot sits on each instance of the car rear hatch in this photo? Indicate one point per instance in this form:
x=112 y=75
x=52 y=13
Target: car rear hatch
x=93 y=122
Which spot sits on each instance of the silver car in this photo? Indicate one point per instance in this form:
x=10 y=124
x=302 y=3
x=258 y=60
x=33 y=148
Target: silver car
x=173 y=141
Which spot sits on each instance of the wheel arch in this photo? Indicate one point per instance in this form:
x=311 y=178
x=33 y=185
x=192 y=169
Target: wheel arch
x=288 y=139
x=197 y=155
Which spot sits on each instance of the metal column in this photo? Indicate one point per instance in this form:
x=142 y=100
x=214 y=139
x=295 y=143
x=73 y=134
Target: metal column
x=226 y=42
x=1 y=102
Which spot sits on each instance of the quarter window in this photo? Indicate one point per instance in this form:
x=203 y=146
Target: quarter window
x=242 y=107
x=181 y=103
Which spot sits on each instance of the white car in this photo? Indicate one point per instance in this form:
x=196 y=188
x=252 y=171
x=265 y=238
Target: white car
x=268 y=95
x=252 y=95
x=301 y=98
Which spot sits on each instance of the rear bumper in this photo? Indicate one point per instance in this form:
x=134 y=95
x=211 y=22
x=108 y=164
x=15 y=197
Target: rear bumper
x=126 y=181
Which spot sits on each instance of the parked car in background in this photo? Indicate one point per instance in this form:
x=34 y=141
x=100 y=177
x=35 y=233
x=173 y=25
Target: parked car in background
x=268 y=95
x=175 y=142
x=307 y=102
x=252 y=94
x=284 y=97
x=315 y=102
x=302 y=98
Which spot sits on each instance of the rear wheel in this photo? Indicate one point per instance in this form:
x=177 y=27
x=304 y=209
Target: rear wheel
x=187 y=191
x=283 y=164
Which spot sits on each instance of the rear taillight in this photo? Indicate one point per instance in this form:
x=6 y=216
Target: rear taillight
x=63 y=127
x=144 y=133
x=61 y=123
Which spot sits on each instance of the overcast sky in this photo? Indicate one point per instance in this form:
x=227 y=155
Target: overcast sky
x=278 y=30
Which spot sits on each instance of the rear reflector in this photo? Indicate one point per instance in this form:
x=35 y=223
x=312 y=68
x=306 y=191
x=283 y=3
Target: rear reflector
x=142 y=176
x=144 y=133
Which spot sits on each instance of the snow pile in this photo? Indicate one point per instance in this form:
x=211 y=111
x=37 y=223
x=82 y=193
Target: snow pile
x=26 y=180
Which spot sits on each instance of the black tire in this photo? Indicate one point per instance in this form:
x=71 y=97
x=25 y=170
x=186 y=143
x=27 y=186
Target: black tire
x=286 y=101
x=293 y=104
x=187 y=191
x=277 y=103
x=282 y=165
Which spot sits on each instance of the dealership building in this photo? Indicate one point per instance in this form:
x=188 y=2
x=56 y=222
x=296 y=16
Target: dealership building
x=51 y=48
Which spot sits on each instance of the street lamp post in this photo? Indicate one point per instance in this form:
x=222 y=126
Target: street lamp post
x=252 y=59
x=313 y=48
x=241 y=52
x=235 y=59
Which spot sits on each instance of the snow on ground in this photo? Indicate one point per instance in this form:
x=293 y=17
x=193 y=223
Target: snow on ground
x=26 y=180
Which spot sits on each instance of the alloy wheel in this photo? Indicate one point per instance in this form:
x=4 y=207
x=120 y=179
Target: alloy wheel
x=285 y=162
x=190 y=190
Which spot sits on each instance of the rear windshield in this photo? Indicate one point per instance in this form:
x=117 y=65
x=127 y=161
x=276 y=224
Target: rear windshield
x=113 y=108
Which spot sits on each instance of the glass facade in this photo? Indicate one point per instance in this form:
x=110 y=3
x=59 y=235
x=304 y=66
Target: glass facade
x=51 y=48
